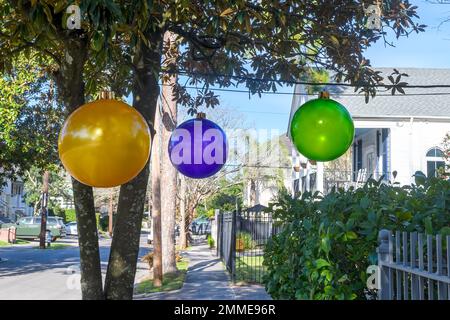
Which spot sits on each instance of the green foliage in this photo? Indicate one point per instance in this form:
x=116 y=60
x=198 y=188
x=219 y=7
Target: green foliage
x=208 y=214
x=59 y=189
x=103 y=222
x=244 y=241
x=70 y=215
x=211 y=242
x=446 y=150
x=220 y=37
x=226 y=198
x=58 y=212
x=29 y=119
x=328 y=242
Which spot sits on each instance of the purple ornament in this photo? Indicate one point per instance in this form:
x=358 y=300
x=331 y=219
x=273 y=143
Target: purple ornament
x=198 y=148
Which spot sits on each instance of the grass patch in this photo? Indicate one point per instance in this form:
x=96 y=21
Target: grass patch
x=171 y=281
x=250 y=268
x=18 y=241
x=56 y=246
x=21 y=241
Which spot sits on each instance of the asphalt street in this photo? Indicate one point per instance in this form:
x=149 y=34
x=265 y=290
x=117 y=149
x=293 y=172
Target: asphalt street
x=30 y=273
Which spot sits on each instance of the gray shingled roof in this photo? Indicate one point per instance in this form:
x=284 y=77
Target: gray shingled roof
x=401 y=105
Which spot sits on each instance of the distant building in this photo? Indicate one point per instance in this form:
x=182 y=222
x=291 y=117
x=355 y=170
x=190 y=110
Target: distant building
x=401 y=133
x=12 y=203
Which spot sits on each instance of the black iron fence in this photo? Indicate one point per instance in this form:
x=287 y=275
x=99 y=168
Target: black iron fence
x=241 y=238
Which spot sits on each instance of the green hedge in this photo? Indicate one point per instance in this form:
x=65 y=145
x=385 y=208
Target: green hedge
x=328 y=242
x=103 y=222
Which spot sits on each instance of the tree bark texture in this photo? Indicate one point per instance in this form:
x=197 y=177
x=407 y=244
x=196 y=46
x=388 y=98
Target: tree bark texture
x=119 y=282
x=156 y=204
x=168 y=172
x=183 y=225
x=69 y=79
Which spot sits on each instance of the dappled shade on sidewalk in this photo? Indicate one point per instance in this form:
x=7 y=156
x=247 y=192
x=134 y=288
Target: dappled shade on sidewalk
x=207 y=279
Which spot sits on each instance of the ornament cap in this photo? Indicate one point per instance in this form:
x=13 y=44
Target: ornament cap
x=105 y=94
x=201 y=115
x=324 y=95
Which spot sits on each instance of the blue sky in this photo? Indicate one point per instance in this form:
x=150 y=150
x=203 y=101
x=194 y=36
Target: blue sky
x=430 y=49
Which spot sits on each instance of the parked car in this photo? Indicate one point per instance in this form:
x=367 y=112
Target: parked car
x=30 y=227
x=71 y=228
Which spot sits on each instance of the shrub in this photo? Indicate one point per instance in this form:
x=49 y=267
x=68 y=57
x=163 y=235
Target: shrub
x=103 y=223
x=327 y=243
x=211 y=242
x=58 y=212
x=244 y=241
x=70 y=215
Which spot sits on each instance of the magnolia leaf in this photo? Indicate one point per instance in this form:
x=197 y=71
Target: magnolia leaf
x=226 y=12
x=350 y=235
x=320 y=263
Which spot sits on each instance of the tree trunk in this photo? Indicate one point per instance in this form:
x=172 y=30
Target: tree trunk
x=91 y=274
x=183 y=225
x=119 y=282
x=44 y=209
x=189 y=217
x=110 y=213
x=169 y=173
x=156 y=206
x=71 y=90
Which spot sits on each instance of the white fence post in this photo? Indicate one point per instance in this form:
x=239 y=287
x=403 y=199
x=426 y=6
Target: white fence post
x=215 y=229
x=384 y=251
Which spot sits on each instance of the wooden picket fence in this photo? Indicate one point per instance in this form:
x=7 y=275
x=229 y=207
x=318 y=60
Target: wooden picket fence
x=413 y=266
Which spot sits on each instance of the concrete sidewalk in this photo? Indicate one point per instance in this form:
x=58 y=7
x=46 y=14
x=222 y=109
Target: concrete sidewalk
x=207 y=279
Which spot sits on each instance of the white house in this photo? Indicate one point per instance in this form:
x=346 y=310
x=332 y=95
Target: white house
x=12 y=204
x=401 y=133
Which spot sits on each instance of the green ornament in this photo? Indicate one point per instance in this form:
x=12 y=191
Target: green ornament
x=322 y=129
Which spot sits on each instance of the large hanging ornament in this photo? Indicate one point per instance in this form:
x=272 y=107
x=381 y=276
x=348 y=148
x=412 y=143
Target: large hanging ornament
x=198 y=148
x=322 y=129
x=104 y=143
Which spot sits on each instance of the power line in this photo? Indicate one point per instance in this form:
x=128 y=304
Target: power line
x=247 y=78
x=258 y=166
x=313 y=95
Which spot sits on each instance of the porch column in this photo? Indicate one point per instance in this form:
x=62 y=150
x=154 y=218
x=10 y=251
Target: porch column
x=319 y=176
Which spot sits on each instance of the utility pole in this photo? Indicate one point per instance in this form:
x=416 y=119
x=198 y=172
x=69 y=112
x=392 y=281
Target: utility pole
x=44 y=205
x=110 y=213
